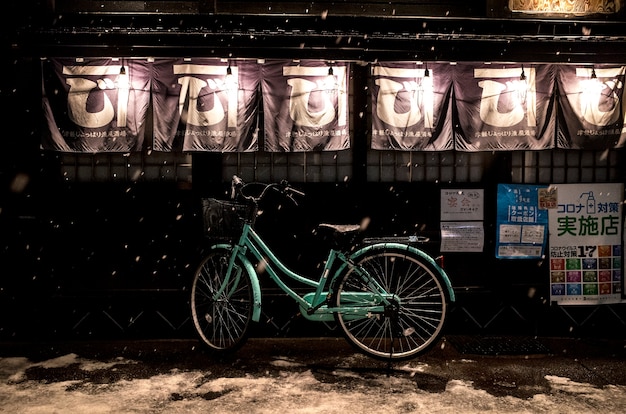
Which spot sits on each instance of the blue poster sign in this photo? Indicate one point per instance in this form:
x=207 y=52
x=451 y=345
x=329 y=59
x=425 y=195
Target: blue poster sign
x=522 y=223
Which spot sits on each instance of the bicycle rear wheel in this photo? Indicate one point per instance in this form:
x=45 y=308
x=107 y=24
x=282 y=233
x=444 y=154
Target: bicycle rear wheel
x=413 y=321
x=222 y=323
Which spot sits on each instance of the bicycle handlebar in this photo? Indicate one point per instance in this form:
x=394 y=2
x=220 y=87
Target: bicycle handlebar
x=238 y=185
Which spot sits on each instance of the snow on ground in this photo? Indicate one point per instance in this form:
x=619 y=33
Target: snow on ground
x=283 y=391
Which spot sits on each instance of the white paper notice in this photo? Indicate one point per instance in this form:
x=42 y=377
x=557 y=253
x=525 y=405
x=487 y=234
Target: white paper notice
x=462 y=236
x=462 y=204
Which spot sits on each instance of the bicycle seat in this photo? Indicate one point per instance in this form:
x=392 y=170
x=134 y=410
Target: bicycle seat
x=339 y=235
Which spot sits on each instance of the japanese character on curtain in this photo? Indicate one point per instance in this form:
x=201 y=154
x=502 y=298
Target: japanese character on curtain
x=411 y=106
x=204 y=104
x=94 y=105
x=305 y=105
x=503 y=107
x=591 y=107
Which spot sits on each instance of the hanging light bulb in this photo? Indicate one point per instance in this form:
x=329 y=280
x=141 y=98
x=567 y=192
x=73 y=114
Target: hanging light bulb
x=427 y=81
x=123 y=87
x=229 y=81
x=593 y=78
x=591 y=92
x=426 y=96
x=522 y=87
x=331 y=82
x=122 y=78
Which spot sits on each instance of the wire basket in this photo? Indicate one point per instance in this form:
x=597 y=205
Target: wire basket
x=224 y=219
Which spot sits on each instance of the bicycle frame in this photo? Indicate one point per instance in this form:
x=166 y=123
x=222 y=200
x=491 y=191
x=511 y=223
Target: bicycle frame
x=312 y=305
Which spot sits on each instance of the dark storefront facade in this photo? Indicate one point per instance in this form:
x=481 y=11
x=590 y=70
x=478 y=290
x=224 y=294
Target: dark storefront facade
x=100 y=243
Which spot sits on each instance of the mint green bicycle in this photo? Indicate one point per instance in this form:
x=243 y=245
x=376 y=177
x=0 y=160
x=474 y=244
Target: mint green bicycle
x=389 y=298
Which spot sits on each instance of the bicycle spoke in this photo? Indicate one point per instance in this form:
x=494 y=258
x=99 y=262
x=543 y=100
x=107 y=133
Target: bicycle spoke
x=413 y=320
x=221 y=322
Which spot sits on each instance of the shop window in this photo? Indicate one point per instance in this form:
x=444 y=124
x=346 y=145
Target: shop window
x=134 y=167
x=563 y=166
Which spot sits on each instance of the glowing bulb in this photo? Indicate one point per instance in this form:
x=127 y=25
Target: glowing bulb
x=331 y=82
x=123 y=86
x=230 y=81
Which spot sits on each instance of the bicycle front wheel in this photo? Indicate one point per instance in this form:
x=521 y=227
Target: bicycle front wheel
x=411 y=322
x=222 y=322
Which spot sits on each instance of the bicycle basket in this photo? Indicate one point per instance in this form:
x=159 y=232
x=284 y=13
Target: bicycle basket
x=224 y=219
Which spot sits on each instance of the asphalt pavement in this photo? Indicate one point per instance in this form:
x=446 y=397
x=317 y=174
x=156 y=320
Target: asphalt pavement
x=515 y=366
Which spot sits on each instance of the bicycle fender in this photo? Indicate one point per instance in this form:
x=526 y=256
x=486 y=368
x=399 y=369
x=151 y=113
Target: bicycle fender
x=402 y=246
x=254 y=282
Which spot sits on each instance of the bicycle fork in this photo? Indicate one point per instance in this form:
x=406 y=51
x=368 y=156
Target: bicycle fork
x=234 y=274
x=232 y=269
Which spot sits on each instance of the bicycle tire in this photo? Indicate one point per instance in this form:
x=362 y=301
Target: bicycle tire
x=223 y=324
x=416 y=320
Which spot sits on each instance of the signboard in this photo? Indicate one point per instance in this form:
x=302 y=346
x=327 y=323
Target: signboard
x=586 y=250
x=462 y=236
x=462 y=204
x=522 y=221
x=462 y=228
x=579 y=8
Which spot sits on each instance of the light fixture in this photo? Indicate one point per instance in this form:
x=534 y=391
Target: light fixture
x=522 y=87
x=123 y=90
x=330 y=84
x=122 y=79
x=229 y=81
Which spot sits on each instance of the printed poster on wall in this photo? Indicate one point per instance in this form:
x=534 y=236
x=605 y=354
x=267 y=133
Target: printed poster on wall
x=462 y=236
x=462 y=204
x=592 y=109
x=503 y=107
x=305 y=105
x=586 y=251
x=521 y=223
x=462 y=216
x=94 y=105
x=411 y=107
x=205 y=104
